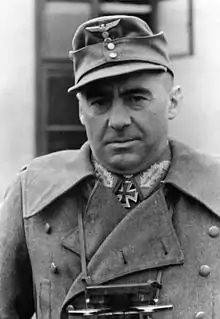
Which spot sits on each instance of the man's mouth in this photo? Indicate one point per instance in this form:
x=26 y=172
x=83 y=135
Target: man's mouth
x=124 y=141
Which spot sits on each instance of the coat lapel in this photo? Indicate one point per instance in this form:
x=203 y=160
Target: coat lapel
x=102 y=214
x=119 y=243
x=143 y=239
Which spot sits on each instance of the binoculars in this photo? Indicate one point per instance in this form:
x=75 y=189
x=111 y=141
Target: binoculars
x=122 y=299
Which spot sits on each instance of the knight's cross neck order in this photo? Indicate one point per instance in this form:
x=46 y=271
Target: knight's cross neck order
x=126 y=192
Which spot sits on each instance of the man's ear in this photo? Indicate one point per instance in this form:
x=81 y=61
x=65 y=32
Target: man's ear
x=81 y=116
x=174 y=102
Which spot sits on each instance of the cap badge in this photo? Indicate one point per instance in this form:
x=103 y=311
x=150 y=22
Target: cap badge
x=104 y=28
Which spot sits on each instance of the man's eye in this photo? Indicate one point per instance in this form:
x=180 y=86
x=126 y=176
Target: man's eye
x=138 y=101
x=137 y=98
x=140 y=98
x=100 y=105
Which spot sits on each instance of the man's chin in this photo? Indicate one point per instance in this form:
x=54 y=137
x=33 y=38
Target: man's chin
x=123 y=164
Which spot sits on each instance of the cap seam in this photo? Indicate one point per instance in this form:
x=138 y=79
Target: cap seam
x=133 y=60
x=125 y=60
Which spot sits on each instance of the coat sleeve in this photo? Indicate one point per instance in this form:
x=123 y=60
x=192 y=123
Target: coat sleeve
x=16 y=288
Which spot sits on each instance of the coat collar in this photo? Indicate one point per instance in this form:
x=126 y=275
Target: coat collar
x=48 y=177
x=197 y=175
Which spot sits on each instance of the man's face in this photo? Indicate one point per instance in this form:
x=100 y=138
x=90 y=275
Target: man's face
x=126 y=119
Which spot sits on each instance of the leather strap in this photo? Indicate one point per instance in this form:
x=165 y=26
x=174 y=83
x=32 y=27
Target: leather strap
x=82 y=246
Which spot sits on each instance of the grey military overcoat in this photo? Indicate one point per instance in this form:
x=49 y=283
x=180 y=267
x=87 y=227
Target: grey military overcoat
x=175 y=230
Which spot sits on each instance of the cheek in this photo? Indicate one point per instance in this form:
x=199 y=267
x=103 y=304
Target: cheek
x=159 y=122
x=153 y=121
x=94 y=126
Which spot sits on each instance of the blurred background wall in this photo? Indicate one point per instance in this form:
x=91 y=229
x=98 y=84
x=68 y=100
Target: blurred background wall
x=199 y=118
x=17 y=83
x=198 y=123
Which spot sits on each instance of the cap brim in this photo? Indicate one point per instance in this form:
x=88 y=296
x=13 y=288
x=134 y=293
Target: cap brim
x=114 y=70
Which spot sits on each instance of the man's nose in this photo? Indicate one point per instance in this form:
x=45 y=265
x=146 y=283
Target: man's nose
x=119 y=116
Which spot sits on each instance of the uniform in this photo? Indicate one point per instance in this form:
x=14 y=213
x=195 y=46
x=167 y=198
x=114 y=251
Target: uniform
x=175 y=231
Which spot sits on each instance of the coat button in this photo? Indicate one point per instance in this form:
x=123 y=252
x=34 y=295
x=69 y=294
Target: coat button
x=47 y=228
x=200 y=315
x=113 y=55
x=54 y=268
x=213 y=231
x=110 y=46
x=204 y=270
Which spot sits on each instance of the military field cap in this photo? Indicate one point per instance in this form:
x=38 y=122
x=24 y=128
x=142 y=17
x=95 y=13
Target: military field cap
x=115 y=45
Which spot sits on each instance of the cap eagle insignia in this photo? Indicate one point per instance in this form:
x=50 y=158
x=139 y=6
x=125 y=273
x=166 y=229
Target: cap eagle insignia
x=104 y=27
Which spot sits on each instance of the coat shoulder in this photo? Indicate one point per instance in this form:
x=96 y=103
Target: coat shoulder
x=48 y=177
x=195 y=161
x=196 y=174
x=54 y=160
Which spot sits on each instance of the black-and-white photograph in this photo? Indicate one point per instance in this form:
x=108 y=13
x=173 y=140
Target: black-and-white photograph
x=110 y=159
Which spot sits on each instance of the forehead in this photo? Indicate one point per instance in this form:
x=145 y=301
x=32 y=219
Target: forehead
x=143 y=79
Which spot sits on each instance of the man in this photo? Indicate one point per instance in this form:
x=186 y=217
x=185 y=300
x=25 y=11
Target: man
x=129 y=224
